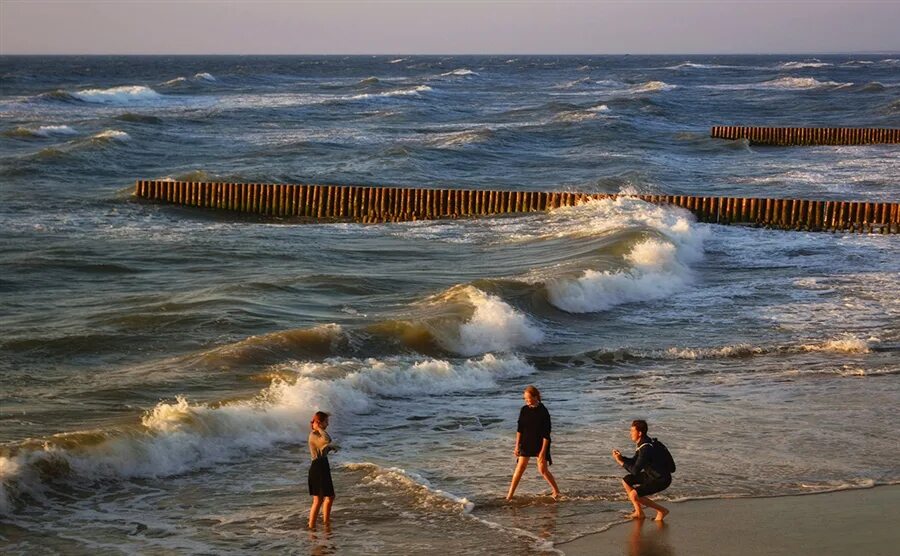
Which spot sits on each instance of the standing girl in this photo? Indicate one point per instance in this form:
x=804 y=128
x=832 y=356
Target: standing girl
x=533 y=440
x=320 y=486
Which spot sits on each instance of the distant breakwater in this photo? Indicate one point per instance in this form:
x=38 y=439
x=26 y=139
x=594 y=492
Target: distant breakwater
x=789 y=136
x=371 y=204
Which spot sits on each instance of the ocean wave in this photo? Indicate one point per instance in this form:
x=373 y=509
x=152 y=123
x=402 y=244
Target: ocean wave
x=804 y=64
x=128 y=94
x=205 y=76
x=692 y=65
x=413 y=91
x=397 y=60
x=798 y=83
x=42 y=131
x=460 y=138
x=180 y=436
x=656 y=267
x=652 y=87
x=111 y=135
x=461 y=72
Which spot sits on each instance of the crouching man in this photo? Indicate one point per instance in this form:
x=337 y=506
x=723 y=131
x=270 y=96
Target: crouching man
x=649 y=471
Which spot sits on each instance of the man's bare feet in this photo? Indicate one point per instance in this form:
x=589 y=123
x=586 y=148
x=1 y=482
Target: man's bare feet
x=661 y=514
x=636 y=515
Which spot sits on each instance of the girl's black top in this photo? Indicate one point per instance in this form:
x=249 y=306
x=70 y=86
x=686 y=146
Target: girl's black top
x=534 y=427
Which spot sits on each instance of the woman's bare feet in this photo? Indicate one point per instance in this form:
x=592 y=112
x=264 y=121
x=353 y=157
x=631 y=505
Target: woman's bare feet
x=661 y=514
x=636 y=515
x=556 y=495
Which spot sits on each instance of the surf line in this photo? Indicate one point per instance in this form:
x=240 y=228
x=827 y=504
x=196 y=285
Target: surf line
x=375 y=204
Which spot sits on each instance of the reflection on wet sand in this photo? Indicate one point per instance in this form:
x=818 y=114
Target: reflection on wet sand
x=320 y=543
x=649 y=538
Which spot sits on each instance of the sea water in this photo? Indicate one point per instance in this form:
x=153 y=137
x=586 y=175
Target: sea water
x=159 y=365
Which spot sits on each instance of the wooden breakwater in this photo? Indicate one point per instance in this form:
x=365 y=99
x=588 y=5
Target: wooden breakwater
x=395 y=204
x=807 y=135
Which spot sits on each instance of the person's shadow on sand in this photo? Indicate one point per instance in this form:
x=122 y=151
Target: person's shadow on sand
x=649 y=539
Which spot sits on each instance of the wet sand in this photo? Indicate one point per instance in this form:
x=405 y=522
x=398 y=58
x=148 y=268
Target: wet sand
x=846 y=522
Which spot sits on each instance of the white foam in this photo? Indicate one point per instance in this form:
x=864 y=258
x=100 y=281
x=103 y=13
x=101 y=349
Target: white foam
x=797 y=83
x=112 y=135
x=175 y=81
x=461 y=72
x=805 y=64
x=118 y=95
x=204 y=76
x=414 y=91
x=655 y=267
x=845 y=344
x=179 y=436
x=51 y=130
x=495 y=326
x=391 y=477
x=652 y=87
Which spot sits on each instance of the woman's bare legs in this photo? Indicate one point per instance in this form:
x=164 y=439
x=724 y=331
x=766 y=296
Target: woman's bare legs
x=326 y=510
x=521 y=464
x=544 y=470
x=314 y=511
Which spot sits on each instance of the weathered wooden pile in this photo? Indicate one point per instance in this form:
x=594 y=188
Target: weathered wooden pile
x=393 y=204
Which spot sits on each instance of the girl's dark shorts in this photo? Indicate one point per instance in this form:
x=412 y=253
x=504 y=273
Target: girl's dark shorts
x=645 y=485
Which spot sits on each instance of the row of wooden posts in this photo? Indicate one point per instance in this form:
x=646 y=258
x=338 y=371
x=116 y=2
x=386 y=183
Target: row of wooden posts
x=807 y=135
x=393 y=204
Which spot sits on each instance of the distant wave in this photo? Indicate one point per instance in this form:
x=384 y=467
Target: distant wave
x=804 y=64
x=42 y=131
x=397 y=60
x=414 y=91
x=692 y=65
x=460 y=138
x=461 y=72
x=205 y=76
x=652 y=87
x=117 y=95
x=111 y=135
x=781 y=83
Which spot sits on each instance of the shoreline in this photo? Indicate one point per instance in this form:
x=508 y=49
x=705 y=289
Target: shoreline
x=853 y=521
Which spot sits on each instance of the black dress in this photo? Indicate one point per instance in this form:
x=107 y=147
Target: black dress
x=534 y=427
x=320 y=483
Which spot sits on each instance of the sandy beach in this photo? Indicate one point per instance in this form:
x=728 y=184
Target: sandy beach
x=845 y=522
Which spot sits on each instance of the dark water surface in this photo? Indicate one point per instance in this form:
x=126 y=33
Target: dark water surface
x=158 y=366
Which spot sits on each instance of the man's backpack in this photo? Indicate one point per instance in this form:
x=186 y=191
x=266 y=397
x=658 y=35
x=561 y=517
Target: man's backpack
x=663 y=456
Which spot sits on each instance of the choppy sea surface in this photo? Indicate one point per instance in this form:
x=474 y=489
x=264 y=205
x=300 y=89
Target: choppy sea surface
x=159 y=366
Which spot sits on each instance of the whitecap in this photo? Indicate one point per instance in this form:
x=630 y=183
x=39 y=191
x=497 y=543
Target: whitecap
x=805 y=64
x=118 y=95
x=205 y=76
x=52 y=130
x=461 y=72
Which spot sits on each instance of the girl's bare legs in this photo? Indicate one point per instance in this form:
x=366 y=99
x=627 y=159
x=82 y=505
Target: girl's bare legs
x=544 y=470
x=314 y=511
x=326 y=510
x=517 y=476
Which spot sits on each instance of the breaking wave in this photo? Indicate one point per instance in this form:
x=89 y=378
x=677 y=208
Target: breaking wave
x=176 y=437
x=118 y=95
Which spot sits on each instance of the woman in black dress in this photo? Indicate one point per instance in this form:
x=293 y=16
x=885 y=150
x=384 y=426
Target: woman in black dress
x=533 y=440
x=321 y=487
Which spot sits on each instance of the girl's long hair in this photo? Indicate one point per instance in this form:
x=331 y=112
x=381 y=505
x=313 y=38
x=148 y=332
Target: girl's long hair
x=535 y=393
